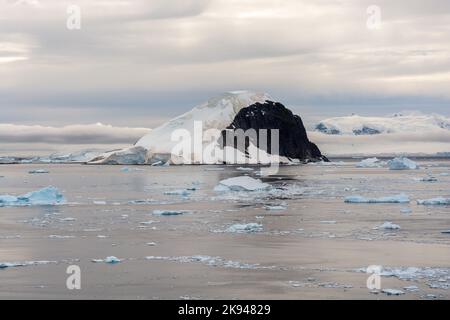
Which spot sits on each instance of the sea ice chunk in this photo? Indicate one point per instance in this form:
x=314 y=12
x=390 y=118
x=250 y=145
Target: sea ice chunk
x=434 y=202
x=389 y=226
x=393 y=292
x=245 y=228
x=169 y=212
x=402 y=164
x=110 y=260
x=370 y=163
x=38 y=171
x=46 y=196
x=243 y=183
x=401 y=198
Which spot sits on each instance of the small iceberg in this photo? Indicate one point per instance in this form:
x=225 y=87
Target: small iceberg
x=393 y=292
x=428 y=179
x=181 y=192
x=243 y=183
x=109 y=260
x=245 y=228
x=370 y=163
x=244 y=169
x=169 y=212
x=42 y=197
x=38 y=171
x=402 y=164
x=435 y=202
x=401 y=198
x=388 y=226
x=278 y=207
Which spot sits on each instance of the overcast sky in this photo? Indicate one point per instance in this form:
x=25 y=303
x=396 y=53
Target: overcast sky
x=137 y=63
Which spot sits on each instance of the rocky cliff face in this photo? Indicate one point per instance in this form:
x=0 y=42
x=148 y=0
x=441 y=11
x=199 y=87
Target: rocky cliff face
x=293 y=139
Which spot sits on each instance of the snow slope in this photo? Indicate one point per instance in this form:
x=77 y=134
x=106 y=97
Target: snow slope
x=215 y=113
x=397 y=123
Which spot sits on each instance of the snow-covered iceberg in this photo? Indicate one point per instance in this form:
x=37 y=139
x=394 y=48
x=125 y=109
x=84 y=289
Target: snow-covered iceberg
x=370 y=163
x=402 y=164
x=196 y=137
x=243 y=183
x=46 y=196
x=401 y=198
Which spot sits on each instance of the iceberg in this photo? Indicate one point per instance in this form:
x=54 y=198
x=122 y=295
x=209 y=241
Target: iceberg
x=42 y=197
x=38 y=171
x=370 y=163
x=169 y=212
x=402 y=164
x=435 y=202
x=401 y=198
x=389 y=226
x=393 y=292
x=243 y=183
x=245 y=228
x=109 y=260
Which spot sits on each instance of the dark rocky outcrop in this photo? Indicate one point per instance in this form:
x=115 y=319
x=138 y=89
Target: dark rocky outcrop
x=293 y=139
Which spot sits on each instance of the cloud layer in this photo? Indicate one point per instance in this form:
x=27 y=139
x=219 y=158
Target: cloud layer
x=134 y=61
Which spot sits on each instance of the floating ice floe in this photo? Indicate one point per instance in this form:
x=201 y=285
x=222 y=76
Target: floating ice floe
x=435 y=202
x=393 y=292
x=402 y=164
x=4 y=265
x=371 y=163
x=406 y=210
x=278 y=207
x=209 y=261
x=428 y=179
x=170 y=212
x=245 y=228
x=38 y=171
x=401 y=198
x=147 y=223
x=243 y=183
x=388 y=226
x=45 y=196
x=244 y=169
x=181 y=192
x=56 y=236
x=110 y=260
x=437 y=278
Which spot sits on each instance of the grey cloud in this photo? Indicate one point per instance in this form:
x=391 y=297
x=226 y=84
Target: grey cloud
x=73 y=134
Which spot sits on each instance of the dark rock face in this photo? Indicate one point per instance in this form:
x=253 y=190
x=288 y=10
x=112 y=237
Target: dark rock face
x=293 y=140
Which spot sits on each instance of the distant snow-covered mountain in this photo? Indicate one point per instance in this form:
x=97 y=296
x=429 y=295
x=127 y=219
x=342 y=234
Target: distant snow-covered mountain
x=396 y=123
